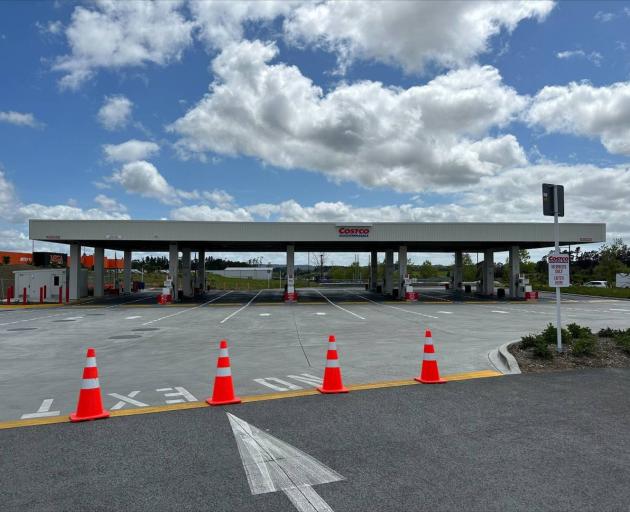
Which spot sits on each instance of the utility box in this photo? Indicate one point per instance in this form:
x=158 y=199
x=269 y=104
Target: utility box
x=50 y=280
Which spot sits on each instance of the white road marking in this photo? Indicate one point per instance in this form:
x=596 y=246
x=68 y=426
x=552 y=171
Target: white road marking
x=74 y=318
x=127 y=399
x=307 y=378
x=43 y=411
x=187 y=396
x=36 y=318
x=499 y=311
x=396 y=307
x=272 y=465
x=133 y=317
x=264 y=314
x=624 y=310
x=241 y=309
x=185 y=310
x=338 y=306
x=446 y=312
x=284 y=385
x=320 y=313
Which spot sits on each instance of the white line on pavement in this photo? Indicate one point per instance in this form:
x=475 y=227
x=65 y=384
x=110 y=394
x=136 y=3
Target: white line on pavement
x=241 y=309
x=396 y=307
x=36 y=318
x=320 y=313
x=43 y=411
x=185 y=310
x=133 y=317
x=499 y=311
x=264 y=314
x=624 y=310
x=446 y=312
x=337 y=306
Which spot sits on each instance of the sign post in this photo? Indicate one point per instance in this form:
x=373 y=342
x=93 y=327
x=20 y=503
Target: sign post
x=553 y=204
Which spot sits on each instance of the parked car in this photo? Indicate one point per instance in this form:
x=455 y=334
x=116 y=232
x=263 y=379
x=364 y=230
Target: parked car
x=597 y=284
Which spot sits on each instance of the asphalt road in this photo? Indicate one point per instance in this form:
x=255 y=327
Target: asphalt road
x=155 y=351
x=556 y=441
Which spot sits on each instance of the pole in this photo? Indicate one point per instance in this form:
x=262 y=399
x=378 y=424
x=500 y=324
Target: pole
x=556 y=230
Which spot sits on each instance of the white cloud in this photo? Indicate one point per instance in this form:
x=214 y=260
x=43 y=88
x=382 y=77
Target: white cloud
x=62 y=211
x=221 y=23
x=19 y=119
x=585 y=110
x=218 y=197
x=115 y=113
x=7 y=193
x=130 y=150
x=407 y=139
x=595 y=57
x=604 y=17
x=205 y=212
x=51 y=28
x=109 y=204
x=144 y=179
x=115 y=35
x=411 y=34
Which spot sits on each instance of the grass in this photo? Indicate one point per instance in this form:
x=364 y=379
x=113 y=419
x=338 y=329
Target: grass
x=618 y=293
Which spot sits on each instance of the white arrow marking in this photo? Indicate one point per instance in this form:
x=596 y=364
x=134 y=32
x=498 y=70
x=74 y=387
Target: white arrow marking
x=272 y=465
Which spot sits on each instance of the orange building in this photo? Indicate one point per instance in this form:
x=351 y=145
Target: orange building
x=16 y=258
x=87 y=261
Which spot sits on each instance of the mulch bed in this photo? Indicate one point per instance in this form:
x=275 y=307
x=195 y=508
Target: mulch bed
x=608 y=355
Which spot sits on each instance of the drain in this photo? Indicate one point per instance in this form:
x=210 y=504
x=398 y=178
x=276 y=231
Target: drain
x=146 y=329
x=23 y=329
x=125 y=337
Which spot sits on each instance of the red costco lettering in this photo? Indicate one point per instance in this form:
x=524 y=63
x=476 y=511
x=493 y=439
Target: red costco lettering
x=354 y=231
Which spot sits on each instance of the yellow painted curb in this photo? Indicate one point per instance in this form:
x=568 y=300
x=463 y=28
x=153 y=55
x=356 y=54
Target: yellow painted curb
x=248 y=399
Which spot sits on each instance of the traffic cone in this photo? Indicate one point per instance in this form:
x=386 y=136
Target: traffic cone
x=332 y=373
x=429 y=373
x=90 y=406
x=223 y=391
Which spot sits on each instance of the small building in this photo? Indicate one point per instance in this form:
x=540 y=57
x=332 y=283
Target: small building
x=245 y=272
x=48 y=279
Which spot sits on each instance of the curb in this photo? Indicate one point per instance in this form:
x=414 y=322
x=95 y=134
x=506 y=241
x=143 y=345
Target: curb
x=503 y=361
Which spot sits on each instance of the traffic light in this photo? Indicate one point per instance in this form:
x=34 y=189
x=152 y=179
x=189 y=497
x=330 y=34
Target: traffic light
x=548 y=204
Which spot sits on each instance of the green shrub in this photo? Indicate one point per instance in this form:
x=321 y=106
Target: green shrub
x=623 y=342
x=584 y=346
x=610 y=333
x=577 y=331
x=541 y=348
x=550 y=335
x=528 y=341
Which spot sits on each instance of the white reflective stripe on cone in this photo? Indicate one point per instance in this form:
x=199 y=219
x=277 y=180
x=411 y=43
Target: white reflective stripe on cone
x=430 y=357
x=223 y=352
x=332 y=363
x=90 y=384
x=224 y=372
x=90 y=362
x=428 y=341
x=332 y=345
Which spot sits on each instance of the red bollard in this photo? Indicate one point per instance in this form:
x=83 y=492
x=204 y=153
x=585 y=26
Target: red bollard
x=61 y=295
x=41 y=295
x=24 y=296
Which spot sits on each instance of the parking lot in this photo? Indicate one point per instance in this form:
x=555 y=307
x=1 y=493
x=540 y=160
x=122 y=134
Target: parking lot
x=152 y=355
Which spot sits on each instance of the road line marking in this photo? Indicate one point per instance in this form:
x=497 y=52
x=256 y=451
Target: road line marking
x=307 y=378
x=337 y=306
x=288 y=385
x=272 y=465
x=624 y=310
x=482 y=374
x=36 y=318
x=400 y=309
x=320 y=313
x=43 y=411
x=127 y=399
x=185 y=310
x=133 y=317
x=446 y=312
x=502 y=312
x=264 y=314
x=241 y=309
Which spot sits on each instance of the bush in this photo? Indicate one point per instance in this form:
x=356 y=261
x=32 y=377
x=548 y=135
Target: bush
x=550 y=335
x=528 y=341
x=610 y=333
x=541 y=348
x=584 y=346
x=577 y=331
x=623 y=342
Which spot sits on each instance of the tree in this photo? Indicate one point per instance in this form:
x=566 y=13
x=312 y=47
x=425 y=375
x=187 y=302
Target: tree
x=611 y=260
x=319 y=260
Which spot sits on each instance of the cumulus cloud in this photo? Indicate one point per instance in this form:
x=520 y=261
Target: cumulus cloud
x=115 y=113
x=109 y=204
x=205 y=212
x=116 y=35
x=411 y=34
x=406 y=139
x=63 y=211
x=130 y=150
x=594 y=57
x=585 y=110
x=7 y=192
x=19 y=119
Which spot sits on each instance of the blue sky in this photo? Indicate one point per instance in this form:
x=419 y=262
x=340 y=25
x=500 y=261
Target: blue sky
x=316 y=111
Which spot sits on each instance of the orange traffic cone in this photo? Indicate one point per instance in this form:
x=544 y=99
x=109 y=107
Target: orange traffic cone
x=429 y=373
x=332 y=373
x=90 y=406
x=223 y=391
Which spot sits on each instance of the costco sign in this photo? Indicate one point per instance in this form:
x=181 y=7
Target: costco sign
x=558 y=270
x=353 y=232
